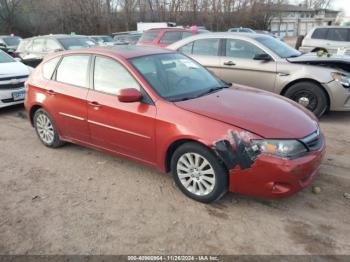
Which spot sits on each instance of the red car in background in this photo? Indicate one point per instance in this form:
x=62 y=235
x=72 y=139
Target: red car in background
x=163 y=37
x=163 y=109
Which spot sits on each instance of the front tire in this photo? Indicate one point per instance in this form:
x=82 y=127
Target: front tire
x=46 y=129
x=310 y=95
x=198 y=173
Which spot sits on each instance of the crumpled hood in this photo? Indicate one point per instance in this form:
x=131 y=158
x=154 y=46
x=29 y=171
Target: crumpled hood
x=335 y=61
x=254 y=110
x=13 y=69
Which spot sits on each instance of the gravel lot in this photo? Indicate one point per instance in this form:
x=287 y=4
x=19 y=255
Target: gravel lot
x=74 y=200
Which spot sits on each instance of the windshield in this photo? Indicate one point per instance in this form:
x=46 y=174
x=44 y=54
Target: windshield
x=176 y=77
x=12 y=40
x=278 y=47
x=72 y=43
x=5 y=58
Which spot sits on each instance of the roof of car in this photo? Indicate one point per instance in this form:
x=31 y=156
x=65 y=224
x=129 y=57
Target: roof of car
x=56 y=36
x=124 y=51
x=168 y=29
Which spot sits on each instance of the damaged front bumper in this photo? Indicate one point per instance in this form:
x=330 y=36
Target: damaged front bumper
x=339 y=96
x=272 y=177
x=256 y=173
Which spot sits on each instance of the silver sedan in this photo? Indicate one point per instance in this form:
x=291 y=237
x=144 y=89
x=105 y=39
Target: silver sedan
x=319 y=83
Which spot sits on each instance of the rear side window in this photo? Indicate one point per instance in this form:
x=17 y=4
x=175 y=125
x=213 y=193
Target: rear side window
x=110 y=76
x=170 y=37
x=209 y=47
x=73 y=70
x=186 y=34
x=38 y=45
x=187 y=49
x=338 y=34
x=49 y=67
x=149 y=36
x=320 y=33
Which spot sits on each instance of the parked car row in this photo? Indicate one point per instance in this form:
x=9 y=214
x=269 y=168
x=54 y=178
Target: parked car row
x=261 y=61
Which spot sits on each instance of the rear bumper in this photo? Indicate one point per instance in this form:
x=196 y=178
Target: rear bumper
x=272 y=177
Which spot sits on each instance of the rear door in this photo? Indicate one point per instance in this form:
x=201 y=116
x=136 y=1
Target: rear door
x=206 y=52
x=125 y=128
x=238 y=65
x=67 y=94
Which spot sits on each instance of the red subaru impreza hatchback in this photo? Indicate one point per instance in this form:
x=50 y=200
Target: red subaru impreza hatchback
x=163 y=109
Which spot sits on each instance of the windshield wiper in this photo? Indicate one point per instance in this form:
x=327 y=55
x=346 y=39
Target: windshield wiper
x=212 y=90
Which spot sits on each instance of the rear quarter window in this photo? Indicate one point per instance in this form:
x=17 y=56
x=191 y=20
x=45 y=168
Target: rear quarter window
x=149 y=36
x=49 y=67
x=320 y=33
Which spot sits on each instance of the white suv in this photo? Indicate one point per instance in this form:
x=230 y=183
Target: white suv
x=13 y=74
x=331 y=39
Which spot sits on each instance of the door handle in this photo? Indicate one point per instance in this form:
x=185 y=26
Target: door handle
x=51 y=92
x=229 y=63
x=95 y=104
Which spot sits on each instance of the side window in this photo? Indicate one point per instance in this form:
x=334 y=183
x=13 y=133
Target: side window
x=187 y=49
x=73 y=70
x=338 y=34
x=110 y=76
x=186 y=34
x=49 y=67
x=170 y=37
x=241 y=49
x=38 y=45
x=209 y=47
x=319 y=33
x=52 y=45
x=149 y=36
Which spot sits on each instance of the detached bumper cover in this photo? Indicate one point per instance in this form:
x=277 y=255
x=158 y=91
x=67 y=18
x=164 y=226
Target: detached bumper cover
x=272 y=177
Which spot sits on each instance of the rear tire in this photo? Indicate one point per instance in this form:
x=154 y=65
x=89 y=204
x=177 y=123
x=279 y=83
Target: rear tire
x=198 y=173
x=46 y=129
x=310 y=95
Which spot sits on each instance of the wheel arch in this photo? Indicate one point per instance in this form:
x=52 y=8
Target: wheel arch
x=316 y=49
x=175 y=145
x=284 y=90
x=32 y=111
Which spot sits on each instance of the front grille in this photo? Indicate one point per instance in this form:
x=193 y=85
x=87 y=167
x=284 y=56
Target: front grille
x=314 y=141
x=12 y=77
x=11 y=86
x=11 y=100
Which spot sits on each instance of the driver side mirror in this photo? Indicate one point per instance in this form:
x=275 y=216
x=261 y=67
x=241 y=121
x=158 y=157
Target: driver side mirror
x=262 y=57
x=2 y=45
x=129 y=95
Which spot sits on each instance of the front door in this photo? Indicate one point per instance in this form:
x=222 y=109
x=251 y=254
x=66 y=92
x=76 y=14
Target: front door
x=238 y=66
x=125 y=128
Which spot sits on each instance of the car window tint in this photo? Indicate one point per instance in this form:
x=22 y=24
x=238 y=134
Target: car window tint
x=52 y=45
x=149 y=36
x=337 y=34
x=209 y=47
x=73 y=70
x=170 y=37
x=49 y=67
x=241 y=49
x=110 y=76
x=319 y=33
x=187 y=49
x=38 y=45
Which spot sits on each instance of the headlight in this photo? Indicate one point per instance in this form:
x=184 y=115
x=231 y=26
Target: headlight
x=341 y=78
x=281 y=148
